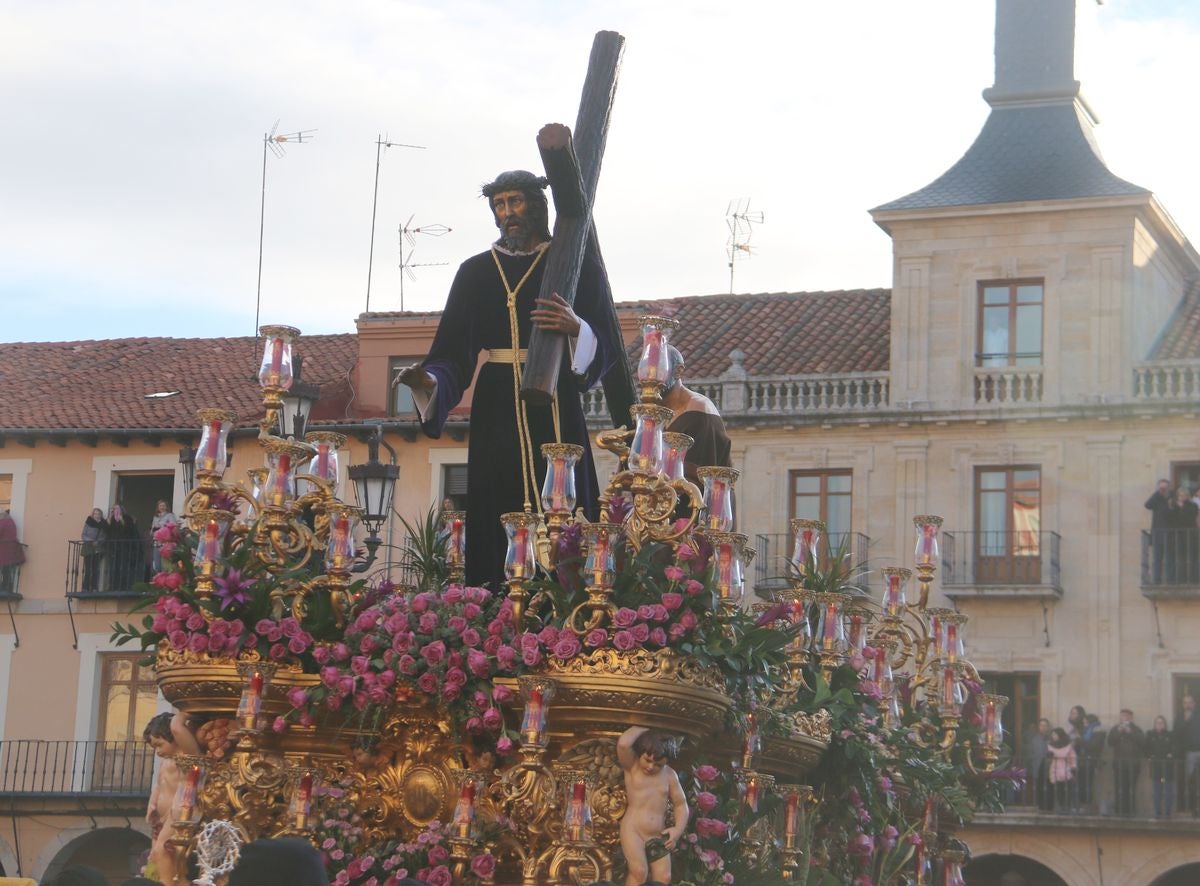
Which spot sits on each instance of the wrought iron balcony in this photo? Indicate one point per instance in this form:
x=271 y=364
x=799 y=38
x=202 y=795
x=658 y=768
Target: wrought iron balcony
x=1001 y=564
x=106 y=569
x=10 y=577
x=774 y=551
x=91 y=769
x=1171 y=563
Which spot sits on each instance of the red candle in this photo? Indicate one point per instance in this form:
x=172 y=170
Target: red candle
x=752 y=794
x=210 y=449
x=520 y=551
x=925 y=546
x=725 y=568
x=322 y=466
x=276 y=358
x=951 y=649
x=936 y=633
x=600 y=558
x=534 y=719
x=831 y=624
x=716 y=505
x=651 y=354
x=575 y=816
x=930 y=823
x=791 y=818
x=456 y=540
x=989 y=720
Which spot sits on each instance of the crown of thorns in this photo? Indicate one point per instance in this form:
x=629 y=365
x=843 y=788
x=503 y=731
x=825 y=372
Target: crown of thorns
x=514 y=180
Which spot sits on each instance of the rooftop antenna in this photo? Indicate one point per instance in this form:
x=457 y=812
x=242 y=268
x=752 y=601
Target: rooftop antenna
x=273 y=142
x=381 y=142
x=407 y=232
x=741 y=222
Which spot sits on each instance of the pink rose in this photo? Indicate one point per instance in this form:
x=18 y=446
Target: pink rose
x=688 y=619
x=501 y=694
x=685 y=552
x=345 y=685
x=428 y=682
x=640 y=631
x=196 y=622
x=676 y=631
x=428 y=623
x=279 y=725
x=624 y=617
x=451 y=691
x=674 y=573
x=340 y=652
x=407 y=664
x=567 y=646
x=506 y=657
x=492 y=719
x=706 y=801
x=434 y=652
x=454 y=595
x=595 y=638
x=624 y=641
x=470 y=637
x=478 y=664
x=483 y=866
x=439 y=876
x=693 y=587
x=456 y=677
x=472 y=610
x=457 y=623
x=504 y=746
x=645 y=611
x=658 y=637
x=711 y=827
x=297 y=697
x=296 y=645
x=197 y=643
x=278 y=652
x=474 y=725
x=438 y=854
x=707 y=774
x=531 y=656
x=672 y=601
x=360 y=664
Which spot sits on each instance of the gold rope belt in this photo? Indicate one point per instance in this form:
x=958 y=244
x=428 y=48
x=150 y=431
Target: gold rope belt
x=505 y=355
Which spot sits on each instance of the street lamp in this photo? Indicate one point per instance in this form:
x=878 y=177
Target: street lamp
x=374 y=486
x=298 y=401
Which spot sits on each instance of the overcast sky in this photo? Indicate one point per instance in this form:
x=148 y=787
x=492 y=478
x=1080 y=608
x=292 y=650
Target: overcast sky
x=131 y=142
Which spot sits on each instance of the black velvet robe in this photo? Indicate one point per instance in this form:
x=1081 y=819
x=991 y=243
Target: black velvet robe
x=476 y=318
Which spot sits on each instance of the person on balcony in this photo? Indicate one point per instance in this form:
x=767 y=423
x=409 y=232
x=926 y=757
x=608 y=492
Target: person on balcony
x=1183 y=564
x=125 y=549
x=1187 y=750
x=94 y=536
x=162 y=517
x=12 y=553
x=1160 y=748
x=1063 y=765
x=494 y=306
x=1159 y=506
x=1127 y=741
x=1037 y=763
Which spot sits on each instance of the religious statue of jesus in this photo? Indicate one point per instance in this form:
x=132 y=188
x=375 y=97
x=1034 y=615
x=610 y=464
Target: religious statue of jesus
x=493 y=305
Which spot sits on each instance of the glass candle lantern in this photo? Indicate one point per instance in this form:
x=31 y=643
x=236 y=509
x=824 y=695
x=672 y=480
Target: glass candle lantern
x=831 y=629
x=455 y=526
x=256 y=678
x=211 y=526
x=558 y=490
x=284 y=459
x=937 y=630
x=599 y=541
x=654 y=365
x=675 y=450
x=894 y=600
x=577 y=805
x=213 y=452
x=751 y=742
x=718 y=497
x=927 y=551
x=883 y=677
x=275 y=371
x=992 y=710
x=953 y=693
x=339 y=550
x=952 y=873
x=953 y=625
x=305 y=784
x=797 y=615
x=192 y=772
x=537 y=693
x=752 y=786
x=646 y=450
x=258 y=481
x=519 y=561
x=464 y=822
x=327 y=447
x=728 y=572
x=806 y=535
x=795 y=798
x=858 y=620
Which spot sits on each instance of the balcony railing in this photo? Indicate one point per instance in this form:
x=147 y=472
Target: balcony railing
x=32 y=767
x=10 y=576
x=1171 y=562
x=774 y=551
x=1168 y=380
x=106 y=568
x=999 y=564
x=1005 y=385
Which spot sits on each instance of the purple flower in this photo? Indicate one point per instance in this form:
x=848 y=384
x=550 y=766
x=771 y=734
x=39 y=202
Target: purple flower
x=233 y=590
x=567 y=646
x=596 y=637
x=674 y=573
x=624 y=641
x=624 y=617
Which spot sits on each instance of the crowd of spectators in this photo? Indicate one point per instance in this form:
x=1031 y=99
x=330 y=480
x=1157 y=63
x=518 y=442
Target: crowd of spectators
x=1082 y=768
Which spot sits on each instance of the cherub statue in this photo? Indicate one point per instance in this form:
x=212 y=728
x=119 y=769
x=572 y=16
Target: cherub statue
x=649 y=784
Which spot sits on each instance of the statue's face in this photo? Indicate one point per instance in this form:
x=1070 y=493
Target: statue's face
x=651 y=765
x=512 y=218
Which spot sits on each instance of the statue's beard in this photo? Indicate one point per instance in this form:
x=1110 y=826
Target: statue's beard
x=517 y=234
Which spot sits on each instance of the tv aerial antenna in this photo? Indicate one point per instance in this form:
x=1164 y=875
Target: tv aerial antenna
x=273 y=142
x=408 y=235
x=741 y=222
x=381 y=142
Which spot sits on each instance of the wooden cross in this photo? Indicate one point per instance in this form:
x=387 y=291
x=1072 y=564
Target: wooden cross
x=573 y=167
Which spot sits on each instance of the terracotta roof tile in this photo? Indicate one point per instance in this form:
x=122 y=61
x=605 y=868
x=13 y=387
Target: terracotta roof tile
x=87 y=385
x=781 y=333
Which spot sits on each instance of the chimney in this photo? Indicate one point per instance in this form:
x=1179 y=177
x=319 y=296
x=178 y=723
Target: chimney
x=1035 y=53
